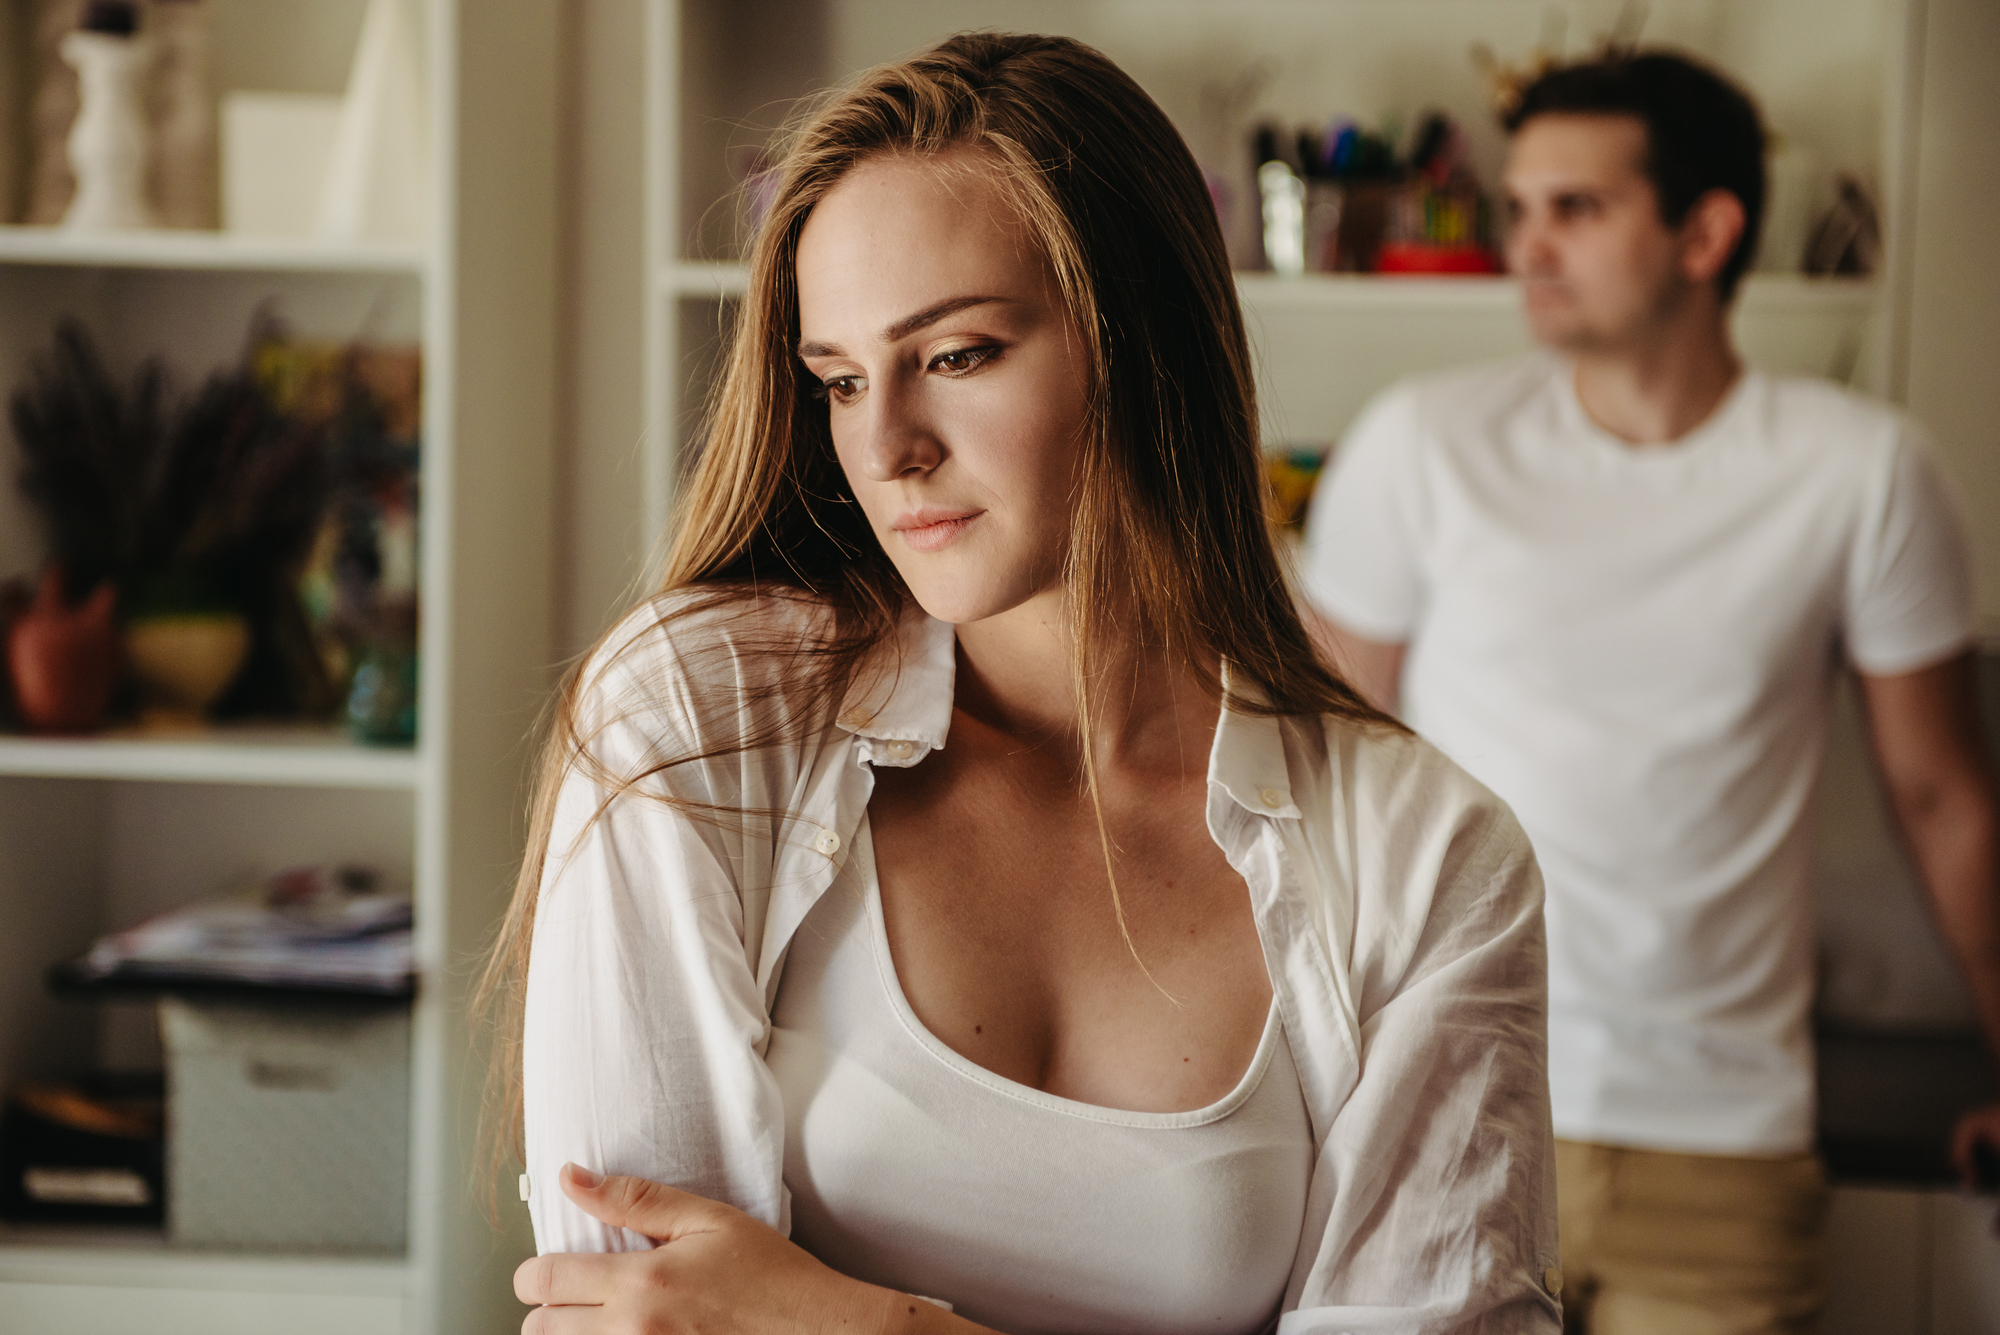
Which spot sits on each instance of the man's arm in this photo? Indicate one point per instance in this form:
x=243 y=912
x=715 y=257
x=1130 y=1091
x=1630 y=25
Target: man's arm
x=1370 y=666
x=1928 y=741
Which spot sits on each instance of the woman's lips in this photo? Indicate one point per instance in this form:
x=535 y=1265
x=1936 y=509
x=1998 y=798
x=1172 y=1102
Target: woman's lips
x=933 y=530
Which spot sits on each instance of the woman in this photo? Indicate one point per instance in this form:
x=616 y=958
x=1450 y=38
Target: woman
x=962 y=880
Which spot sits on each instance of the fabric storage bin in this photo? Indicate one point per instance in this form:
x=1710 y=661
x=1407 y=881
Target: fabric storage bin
x=288 y=1124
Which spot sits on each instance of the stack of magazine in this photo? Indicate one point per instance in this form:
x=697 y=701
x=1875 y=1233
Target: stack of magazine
x=310 y=929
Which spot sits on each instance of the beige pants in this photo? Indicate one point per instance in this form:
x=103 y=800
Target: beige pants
x=1693 y=1244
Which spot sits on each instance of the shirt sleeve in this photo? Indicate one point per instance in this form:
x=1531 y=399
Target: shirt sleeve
x=644 y=1032
x=1363 y=555
x=1440 y=1162
x=1909 y=590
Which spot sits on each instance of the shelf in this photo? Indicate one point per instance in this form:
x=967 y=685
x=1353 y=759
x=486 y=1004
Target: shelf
x=204 y=251
x=140 y=1257
x=292 y=756
x=1363 y=292
x=709 y=279
x=130 y=1280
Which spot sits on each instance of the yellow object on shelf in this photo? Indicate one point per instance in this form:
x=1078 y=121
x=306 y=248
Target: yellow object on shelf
x=185 y=663
x=1292 y=477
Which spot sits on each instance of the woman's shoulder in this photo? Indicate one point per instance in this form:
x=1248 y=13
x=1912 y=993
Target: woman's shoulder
x=1403 y=801
x=688 y=625
x=699 y=656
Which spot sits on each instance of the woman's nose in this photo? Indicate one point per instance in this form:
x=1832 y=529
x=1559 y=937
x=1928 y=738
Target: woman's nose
x=901 y=439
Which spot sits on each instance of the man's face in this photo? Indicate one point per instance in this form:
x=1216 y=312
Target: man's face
x=1599 y=269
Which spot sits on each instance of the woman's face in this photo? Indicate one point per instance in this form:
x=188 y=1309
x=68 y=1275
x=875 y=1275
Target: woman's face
x=955 y=385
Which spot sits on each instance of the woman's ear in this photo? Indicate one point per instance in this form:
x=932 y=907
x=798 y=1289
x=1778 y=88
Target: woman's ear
x=1709 y=234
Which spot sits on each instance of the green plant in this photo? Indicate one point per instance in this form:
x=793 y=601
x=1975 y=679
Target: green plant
x=208 y=503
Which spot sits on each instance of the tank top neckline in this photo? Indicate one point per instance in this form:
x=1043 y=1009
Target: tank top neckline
x=899 y=1004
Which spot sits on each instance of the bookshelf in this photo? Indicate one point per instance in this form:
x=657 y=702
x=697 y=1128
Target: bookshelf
x=95 y=832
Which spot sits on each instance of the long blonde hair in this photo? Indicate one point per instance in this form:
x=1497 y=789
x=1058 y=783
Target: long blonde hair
x=1170 y=545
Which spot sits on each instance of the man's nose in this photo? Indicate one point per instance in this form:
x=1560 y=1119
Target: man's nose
x=1531 y=249
x=902 y=441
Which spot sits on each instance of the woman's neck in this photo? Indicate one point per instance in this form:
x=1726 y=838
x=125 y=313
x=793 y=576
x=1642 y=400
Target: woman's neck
x=1016 y=675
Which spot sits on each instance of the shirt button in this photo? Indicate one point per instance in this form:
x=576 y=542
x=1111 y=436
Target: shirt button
x=1272 y=798
x=902 y=750
x=827 y=842
x=1552 y=1280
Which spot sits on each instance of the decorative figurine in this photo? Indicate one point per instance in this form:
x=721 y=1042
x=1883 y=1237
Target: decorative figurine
x=108 y=144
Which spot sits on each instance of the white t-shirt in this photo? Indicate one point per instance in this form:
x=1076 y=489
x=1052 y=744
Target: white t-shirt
x=1092 y=1219
x=1635 y=647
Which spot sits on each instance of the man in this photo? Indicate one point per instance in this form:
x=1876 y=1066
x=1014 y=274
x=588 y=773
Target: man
x=1616 y=581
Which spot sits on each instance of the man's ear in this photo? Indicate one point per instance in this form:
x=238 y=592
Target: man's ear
x=1709 y=234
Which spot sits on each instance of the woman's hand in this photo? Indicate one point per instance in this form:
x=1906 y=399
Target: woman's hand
x=715 y=1270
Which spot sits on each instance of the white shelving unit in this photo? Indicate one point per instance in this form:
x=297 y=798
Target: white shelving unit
x=292 y=757
x=205 y=251
x=1834 y=76
x=97 y=832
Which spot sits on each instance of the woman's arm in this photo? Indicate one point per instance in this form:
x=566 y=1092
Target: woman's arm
x=715 y=1270
x=644 y=1025
x=1439 y=1162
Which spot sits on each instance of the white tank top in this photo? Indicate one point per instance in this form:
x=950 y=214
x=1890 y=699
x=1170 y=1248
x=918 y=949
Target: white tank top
x=911 y=1167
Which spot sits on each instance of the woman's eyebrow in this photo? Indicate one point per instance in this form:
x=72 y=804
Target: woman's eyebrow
x=906 y=326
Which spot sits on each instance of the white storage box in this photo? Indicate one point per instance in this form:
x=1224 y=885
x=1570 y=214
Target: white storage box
x=288 y=1124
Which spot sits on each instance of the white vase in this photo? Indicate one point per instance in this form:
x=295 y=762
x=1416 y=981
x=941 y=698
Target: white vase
x=378 y=178
x=184 y=185
x=108 y=145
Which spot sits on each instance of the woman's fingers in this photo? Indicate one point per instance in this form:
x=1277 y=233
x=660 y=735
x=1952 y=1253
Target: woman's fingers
x=653 y=1208
x=568 y=1278
x=566 y=1321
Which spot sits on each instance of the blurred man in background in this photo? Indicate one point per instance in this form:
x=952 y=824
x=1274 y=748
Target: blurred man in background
x=1617 y=581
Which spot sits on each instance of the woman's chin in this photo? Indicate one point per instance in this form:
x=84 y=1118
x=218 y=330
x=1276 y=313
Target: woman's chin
x=963 y=606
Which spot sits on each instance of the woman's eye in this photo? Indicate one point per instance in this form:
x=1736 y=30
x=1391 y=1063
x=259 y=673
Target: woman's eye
x=958 y=361
x=839 y=389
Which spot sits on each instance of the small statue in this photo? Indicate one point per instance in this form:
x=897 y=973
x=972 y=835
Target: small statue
x=108 y=145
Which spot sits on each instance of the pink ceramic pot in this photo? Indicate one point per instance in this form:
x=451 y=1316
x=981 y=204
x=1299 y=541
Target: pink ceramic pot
x=64 y=660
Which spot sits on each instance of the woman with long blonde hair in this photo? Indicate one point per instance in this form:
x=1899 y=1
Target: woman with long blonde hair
x=960 y=898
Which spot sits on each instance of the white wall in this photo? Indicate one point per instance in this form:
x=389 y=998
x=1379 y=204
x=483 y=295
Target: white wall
x=600 y=530
x=1953 y=368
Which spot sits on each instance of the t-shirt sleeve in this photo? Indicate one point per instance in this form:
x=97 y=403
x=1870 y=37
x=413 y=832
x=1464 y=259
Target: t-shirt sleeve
x=1909 y=593
x=1362 y=564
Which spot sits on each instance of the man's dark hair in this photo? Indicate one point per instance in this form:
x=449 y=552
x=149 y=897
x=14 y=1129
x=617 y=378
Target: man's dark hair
x=1702 y=132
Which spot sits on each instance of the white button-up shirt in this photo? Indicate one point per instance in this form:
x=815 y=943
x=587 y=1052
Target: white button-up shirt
x=1396 y=899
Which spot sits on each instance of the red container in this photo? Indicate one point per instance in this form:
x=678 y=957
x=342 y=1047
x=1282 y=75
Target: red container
x=1417 y=257
x=64 y=660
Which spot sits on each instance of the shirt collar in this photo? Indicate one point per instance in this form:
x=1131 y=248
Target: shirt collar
x=901 y=698
x=1247 y=760
x=902 y=691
